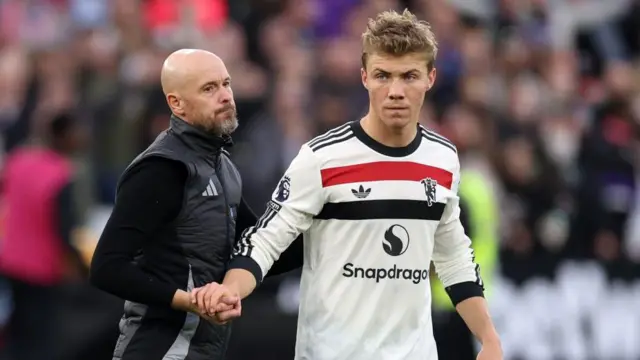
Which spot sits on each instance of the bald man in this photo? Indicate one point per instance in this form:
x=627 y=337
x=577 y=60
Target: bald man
x=177 y=215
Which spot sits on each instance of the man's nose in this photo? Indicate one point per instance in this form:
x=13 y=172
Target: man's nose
x=226 y=95
x=396 y=90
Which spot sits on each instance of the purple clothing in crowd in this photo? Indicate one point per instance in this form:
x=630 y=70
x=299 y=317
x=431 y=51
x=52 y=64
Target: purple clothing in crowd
x=331 y=16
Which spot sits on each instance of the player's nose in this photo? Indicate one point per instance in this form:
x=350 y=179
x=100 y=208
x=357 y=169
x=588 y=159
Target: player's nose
x=396 y=91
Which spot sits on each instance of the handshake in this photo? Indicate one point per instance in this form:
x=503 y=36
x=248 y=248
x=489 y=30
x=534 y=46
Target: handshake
x=215 y=303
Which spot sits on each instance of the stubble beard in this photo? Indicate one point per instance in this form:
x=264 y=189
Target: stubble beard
x=221 y=127
x=227 y=126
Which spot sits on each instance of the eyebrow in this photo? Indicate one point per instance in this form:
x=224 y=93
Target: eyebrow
x=216 y=82
x=403 y=74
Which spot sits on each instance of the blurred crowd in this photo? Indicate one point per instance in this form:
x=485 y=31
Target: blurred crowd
x=542 y=97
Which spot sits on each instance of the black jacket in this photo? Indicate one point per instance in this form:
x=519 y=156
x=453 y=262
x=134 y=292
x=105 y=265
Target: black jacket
x=187 y=251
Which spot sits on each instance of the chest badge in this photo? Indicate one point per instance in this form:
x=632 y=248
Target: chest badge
x=210 y=190
x=430 y=189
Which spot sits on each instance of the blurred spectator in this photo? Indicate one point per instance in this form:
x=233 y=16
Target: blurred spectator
x=38 y=235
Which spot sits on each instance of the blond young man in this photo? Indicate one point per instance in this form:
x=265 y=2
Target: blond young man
x=376 y=201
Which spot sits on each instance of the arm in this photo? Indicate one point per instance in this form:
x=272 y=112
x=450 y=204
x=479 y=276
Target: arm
x=290 y=260
x=298 y=198
x=149 y=197
x=67 y=222
x=453 y=259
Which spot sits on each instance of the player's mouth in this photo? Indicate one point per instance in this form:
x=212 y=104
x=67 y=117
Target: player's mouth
x=396 y=108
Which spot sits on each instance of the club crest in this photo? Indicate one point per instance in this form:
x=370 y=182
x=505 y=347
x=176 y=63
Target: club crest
x=430 y=189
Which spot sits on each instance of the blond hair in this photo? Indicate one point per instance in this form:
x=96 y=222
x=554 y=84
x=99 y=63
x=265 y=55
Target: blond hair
x=397 y=34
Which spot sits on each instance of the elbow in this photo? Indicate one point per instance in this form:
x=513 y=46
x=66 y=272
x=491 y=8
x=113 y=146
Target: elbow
x=100 y=273
x=96 y=275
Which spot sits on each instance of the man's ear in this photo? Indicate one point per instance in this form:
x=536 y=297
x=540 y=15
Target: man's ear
x=432 y=78
x=363 y=75
x=175 y=103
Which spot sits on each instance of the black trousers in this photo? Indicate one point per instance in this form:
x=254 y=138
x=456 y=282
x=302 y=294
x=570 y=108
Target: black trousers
x=32 y=327
x=453 y=338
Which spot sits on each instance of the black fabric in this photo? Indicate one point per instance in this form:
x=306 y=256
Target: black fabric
x=157 y=333
x=453 y=338
x=66 y=214
x=463 y=291
x=149 y=197
x=67 y=221
x=383 y=149
x=34 y=319
x=176 y=219
x=382 y=209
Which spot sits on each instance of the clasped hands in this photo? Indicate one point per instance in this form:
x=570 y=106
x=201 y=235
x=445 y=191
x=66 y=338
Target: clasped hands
x=216 y=303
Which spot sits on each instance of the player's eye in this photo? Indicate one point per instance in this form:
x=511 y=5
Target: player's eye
x=226 y=84
x=411 y=76
x=208 y=88
x=381 y=76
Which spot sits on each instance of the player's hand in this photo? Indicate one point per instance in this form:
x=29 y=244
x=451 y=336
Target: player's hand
x=228 y=308
x=490 y=351
x=208 y=297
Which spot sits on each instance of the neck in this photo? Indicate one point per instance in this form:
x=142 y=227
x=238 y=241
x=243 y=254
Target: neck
x=385 y=135
x=201 y=128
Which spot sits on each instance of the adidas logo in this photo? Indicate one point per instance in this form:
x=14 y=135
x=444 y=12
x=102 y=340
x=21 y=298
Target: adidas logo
x=210 y=190
x=361 y=193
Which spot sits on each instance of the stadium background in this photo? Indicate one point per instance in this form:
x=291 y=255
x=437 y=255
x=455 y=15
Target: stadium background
x=542 y=98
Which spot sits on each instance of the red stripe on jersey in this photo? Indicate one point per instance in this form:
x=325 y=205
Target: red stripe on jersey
x=384 y=171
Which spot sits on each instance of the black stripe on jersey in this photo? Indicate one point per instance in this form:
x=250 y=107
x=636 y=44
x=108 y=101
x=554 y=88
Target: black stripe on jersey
x=436 y=135
x=429 y=136
x=244 y=246
x=336 y=138
x=381 y=209
x=328 y=134
x=333 y=142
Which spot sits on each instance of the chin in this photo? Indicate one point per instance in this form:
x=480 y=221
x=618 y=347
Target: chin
x=397 y=122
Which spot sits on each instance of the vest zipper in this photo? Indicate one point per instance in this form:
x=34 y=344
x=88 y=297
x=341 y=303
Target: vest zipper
x=224 y=194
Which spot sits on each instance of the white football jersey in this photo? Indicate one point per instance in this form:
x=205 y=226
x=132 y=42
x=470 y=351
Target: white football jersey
x=373 y=219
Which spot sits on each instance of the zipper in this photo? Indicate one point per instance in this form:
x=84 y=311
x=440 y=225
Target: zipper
x=224 y=193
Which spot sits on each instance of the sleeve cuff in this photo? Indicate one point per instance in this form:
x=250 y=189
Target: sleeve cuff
x=463 y=291
x=247 y=263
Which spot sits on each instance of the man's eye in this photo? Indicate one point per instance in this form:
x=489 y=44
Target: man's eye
x=381 y=76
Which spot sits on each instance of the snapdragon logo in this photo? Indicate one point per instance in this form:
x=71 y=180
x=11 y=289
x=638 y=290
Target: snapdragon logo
x=393 y=273
x=395 y=242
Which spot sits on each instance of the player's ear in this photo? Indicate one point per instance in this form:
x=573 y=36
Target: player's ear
x=363 y=75
x=432 y=78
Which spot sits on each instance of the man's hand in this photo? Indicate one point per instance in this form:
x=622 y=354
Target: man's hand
x=215 y=301
x=490 y=351
x=226 y=312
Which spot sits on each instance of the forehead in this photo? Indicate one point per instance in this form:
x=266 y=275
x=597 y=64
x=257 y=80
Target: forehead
x=397 y=63
x=211 y=70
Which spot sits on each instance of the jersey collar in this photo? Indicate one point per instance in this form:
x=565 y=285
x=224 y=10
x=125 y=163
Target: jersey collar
x=361 y=135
